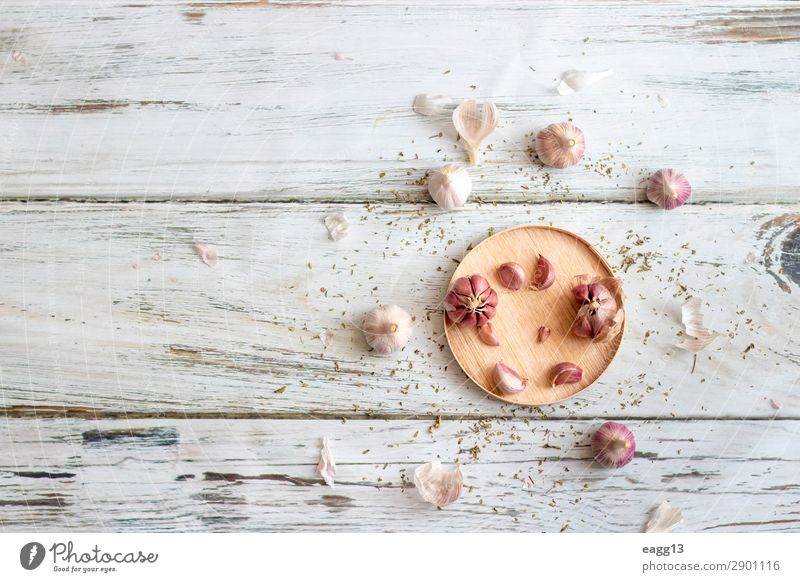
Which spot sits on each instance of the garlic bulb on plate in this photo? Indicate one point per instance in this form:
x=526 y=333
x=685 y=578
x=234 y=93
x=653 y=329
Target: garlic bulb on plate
x=388 y=328
x=450 y=186
x=438 y=485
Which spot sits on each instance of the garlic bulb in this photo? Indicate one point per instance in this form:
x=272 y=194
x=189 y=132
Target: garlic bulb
x=471 y=301
x=388 y=328
x=438 y=485
x=474 y=126
x=599 y=316
x=613 y=445
x=450 y=186
x=560 y=145
x=668 y=188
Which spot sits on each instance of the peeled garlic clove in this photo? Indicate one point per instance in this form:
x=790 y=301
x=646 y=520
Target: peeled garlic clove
x=438 y=485
x=507 y=380
x=575 y=80
x=692 y=317
x=613 y=445
x=338 y=226
x=511 y=275
x=668 y=189
x=665 y=518
x=487 y=334
x=560 y=145
x=327 y=466
x=544 y=275
x=471 y=301
x=450 y=186
x=426 y=104
x=388 y=328
x=206 y=252
x=474 y=126
x=544 y=333
x=566 y=373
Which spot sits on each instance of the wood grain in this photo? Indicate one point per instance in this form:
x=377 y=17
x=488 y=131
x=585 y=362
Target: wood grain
x=258 y=475
x=107 y=310
x=521 y=313
x=248 y=103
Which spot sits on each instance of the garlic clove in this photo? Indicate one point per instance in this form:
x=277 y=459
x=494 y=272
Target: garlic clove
x=507 y=380
x=327 y=466
x=613 y=445
x=692 y=317
x=474 y=126
x=668 y=189
x=544 y=333
x=574 y=80
x=566 y=373
x=450 y=186
x=511 y=275
x=665 y=518
x=437 y=485
x=388 y=328
x=206 y=252
x=560 y=145
x=426 y=104
x=338 y=226
x=544 y=275
x=487 y=334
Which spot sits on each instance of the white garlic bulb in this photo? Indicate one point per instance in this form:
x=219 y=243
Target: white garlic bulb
x=450 y=186
x=388 y=328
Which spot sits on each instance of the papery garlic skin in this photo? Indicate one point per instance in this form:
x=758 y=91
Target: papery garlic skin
x=507 y=380
x=437 y=485
x=487 y=334
x=668 y=189
x=544 y=333
x=566 y=373
x=511 y=275
x=560 y=145
x=700 y=337
x=327 y=466
x=575 y=80
x=206 y=252
x=665 y=518
x=450 y=187
x=474 y=126
x=427 y=104
x=544 y=275
x=471 y=301
x=388 y=328
x=338 y=226
x=613 y=445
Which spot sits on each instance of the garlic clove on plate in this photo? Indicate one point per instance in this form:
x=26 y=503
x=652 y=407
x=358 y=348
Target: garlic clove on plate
x=388 y=328
x=474 y=126
x=544 y=275
x=450 y=186
x=560 y=145
x=668 y=189
x=544 y=333
x=613 y=445
x=427 y=104
x=566 y=373
x=511 y=275
x=437 y=485
x=487 y=334
x=507 y=380
x=574 y=80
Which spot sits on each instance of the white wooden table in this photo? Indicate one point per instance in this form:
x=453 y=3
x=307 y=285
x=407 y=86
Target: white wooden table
x=143 y=390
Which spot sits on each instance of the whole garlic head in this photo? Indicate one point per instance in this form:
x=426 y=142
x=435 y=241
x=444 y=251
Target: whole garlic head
x=388 y=328
x=560 y=145
x=450 y=186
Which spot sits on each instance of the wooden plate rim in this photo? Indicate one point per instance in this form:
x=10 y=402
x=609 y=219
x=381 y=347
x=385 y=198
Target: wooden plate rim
x=599 y=255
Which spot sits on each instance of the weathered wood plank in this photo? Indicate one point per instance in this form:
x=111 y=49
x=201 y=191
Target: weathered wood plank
x=248 y=102
x=106 y=310
x=240 y=475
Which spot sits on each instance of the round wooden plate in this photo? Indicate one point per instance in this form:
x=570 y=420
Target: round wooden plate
x=521 y=313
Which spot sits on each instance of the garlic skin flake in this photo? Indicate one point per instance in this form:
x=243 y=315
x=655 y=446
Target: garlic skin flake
x=560 y=145
x=692 y=318
x=475 y=126
x=437 y=485
x=338 y=226
x=665 y=518
x=574 y=80
x=327 y=466
x=207 y=252
x=388 y=328
x=450 y=186
x=431 y=105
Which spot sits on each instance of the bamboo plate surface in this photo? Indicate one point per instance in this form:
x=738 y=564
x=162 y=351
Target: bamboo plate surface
x=521 y=313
